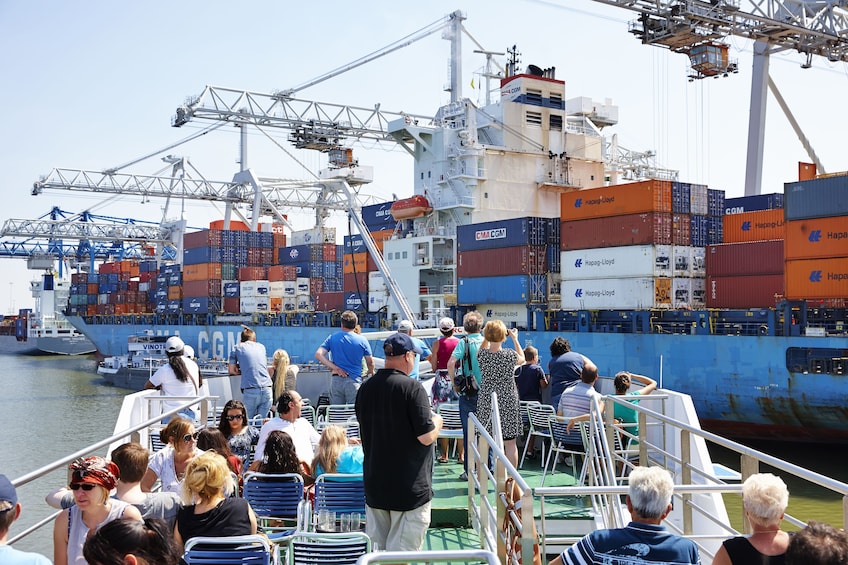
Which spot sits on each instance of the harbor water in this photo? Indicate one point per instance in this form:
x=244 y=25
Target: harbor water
x=55 y=405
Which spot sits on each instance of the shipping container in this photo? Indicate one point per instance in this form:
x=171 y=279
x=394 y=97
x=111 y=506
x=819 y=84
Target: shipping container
x=377 y=300
x=512 y=289
x=276 y=273
x=698 y=262
x=817 y=238
x=197 y=255
x=304 y=303
x=523 y=260
x=208 y=287
x=617 y=231
x=329 y=301
x=276 y=304
x=276 y=289
x=680 y=232
x=617 y=262
x=376 y=282
x=357 y=282
x=715 y=202
x=354 y=244
x=235 y=225
x=354 y=301
x=175 y=293
x=202 y=271
x=252 y=274
x=359 y=262
x=699 y=231
x=750 y=258
x=254 y=304
x=294 y=254
x=202 y=305
x=230 y=289
x=498 y=234
x=202 y=238
x=753 y=203
x=289 y=304
x=378 y=216
x=617 y=200
x=510 y=314
x=809 y=279
x=232 y=305
x=681 y=261
x=754 y=226
x=633 y=293
x=681 y=293
x=699 y=201
x=816 y=198
x=716 y=230
x=751 y=291
x=301 y=286
x=680 y=197
x=289 y=289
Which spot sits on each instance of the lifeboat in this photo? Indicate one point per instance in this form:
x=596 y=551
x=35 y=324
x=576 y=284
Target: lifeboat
x=413 y=207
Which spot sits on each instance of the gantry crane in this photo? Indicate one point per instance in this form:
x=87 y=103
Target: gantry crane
x=698 y=28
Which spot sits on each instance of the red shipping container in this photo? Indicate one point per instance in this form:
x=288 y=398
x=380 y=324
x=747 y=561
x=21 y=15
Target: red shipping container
x=754 y=291
x=350 y=282
x=232 y=305
x=92 y=288
x=202 y=238
x=208 y=287
x=817 y=278
x=680 y=229
x=315 y=286
x=253 y=273
x=522 y=260
x=748 y=258
x=276 y=273
x=146 y=276
x=279 y=241
x=617 y=231
x=329 y=252
x=327 y=301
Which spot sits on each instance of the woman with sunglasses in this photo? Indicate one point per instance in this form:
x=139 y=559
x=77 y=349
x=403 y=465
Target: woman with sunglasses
x=92 y=479
x=132 y=543
x=241 y=436
x=169 y=463
x=208 y=511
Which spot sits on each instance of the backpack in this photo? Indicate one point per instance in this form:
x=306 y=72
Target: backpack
x=464 y=375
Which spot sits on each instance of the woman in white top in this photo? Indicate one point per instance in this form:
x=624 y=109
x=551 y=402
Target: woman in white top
x=179 y=377
x=92 y=479
x=169 y=463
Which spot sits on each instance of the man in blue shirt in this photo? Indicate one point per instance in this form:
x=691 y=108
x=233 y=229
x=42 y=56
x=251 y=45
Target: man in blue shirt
x=472 y=322
x=347 y=349
x=250 y=360
x=10 y=510
x=643 y=540
x=405 y=327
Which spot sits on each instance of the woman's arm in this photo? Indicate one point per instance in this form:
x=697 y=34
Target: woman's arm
x=60 y=498
x=178 y=539
x=131 y=512
x=650 y=384
x=252 y=520
x=433 y=357
x=60 y=539
x=148 y=480
x=513 y=333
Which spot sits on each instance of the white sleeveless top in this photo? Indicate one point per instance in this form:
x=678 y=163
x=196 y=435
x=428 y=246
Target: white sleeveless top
x=77 y=530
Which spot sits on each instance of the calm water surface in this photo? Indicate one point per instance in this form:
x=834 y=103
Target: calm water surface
x=51 y=407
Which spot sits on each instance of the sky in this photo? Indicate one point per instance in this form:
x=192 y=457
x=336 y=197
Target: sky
x=94 y=85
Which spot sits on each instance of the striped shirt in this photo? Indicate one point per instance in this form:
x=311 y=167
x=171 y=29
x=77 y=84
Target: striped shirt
x=638 y=543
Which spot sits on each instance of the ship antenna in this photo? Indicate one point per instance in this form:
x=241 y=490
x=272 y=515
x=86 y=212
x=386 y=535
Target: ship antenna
x=514 y=60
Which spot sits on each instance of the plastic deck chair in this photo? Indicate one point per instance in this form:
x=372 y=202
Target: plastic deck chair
x=340 y=493
x=232 y=550
x=339 y=414
x=538 y=414
x=452 y=426
x=566 y=443
x=274 y=496
x=312 y=548
x=308 y=412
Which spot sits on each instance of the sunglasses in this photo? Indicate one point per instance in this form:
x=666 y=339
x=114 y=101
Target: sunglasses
x=189 y=437
x=234 y=417
x=83 y=486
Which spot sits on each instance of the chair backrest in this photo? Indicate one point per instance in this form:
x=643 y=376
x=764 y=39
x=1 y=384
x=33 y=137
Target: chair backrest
x=314 y=548
x=273 y=495
x=558 y=427
x=524 y=405
x=450 y=415
x=539 y=414
x=339 y=493
x=308 y=411
x=339 y=414
x=232 y=550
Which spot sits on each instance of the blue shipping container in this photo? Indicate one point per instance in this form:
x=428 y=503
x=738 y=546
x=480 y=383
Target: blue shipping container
x=754 y=203
x=681 y=197
x=502 y=233
x=378 y=216
x=353 y=244
x=554 y=257
x=231 y=289
x=699 y=230
x=513 y=289
x=818 y=198
x=715 y=230
x=353 y=301
x=294 y=254
x=715 y=202
x=200 y=255
x=174 y=306
x=169 y=269
x=202 y=305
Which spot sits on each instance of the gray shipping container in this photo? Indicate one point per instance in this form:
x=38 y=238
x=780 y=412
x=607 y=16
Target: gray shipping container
x=817 y=198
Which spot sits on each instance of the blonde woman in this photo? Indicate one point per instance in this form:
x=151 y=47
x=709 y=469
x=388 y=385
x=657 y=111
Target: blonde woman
x=764 y=499
x=497 y=366
x=283 y=373
x=92 y=479
x=335 y=455
x=208 y=511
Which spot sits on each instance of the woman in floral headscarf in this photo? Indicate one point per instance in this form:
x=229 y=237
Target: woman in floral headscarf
x=92 y=479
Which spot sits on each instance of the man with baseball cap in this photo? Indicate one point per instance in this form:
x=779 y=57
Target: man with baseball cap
x=406 y=327
x=397 y=430
x=10 y=510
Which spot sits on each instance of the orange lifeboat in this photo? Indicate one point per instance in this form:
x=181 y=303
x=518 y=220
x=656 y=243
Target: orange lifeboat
x=413 y=207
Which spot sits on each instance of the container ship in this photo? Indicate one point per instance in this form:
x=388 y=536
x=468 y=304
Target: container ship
x=739 y=303
x=46 y=327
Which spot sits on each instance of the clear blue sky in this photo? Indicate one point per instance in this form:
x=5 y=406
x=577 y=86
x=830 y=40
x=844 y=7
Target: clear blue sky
x=93 y=85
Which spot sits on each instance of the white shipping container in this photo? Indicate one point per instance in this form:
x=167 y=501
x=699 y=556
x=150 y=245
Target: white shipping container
x=376 y=281
x=616 y=262
x=289 y=289
x=681 y=292
x=698 y=203
x=304 y=303
x=698 y=262
x=143 y=286
x=276 y=289
x=247 y=289
x=377 y=299
x=631 y=293
x=313 y=236
x=681 y=257
x=289 y=303
x=302 y=286
x=262 y=288
x=699 y=293
x=250 y=303
x=508 y=313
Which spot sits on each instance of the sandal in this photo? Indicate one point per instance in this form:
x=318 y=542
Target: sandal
x=443 y=459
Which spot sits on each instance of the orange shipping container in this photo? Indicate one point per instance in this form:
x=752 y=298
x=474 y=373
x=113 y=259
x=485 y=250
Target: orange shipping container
x=355 y=261
x=808 y=279
x=202 y=272
x=617 y=200
x=235 y=225
x=380 y=237
x=175 y=292
x=276 y=304
x=762 y=225
x=276 y=273
x=817 y=238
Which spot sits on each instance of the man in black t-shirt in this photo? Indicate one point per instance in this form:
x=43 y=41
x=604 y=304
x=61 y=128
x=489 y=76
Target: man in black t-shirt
x=397 y=429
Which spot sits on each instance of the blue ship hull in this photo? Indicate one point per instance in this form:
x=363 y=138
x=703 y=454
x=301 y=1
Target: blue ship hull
x=740 y=385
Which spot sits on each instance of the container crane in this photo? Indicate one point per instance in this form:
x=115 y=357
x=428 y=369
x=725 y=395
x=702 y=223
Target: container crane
x=698 y=28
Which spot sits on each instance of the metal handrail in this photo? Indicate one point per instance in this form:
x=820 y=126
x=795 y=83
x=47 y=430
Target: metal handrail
x=456 y=555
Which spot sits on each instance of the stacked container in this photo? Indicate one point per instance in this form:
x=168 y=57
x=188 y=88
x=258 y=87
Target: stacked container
x=114 y=290
x=363 y=286
x=746 y=270
x=504 y=262
x=817 y=239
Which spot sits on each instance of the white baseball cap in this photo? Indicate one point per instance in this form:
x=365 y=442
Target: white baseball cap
x=188 y=351
x=446 y=324
x=174 y=344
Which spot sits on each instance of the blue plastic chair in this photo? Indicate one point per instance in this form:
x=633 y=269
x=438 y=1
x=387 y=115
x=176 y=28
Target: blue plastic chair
x=273 y=496
x=339 y=493
x=232 y=550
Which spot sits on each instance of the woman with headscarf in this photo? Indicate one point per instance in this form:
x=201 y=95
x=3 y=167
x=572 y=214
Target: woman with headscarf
x=92 y=479
x=169 y=463
x=180 y=376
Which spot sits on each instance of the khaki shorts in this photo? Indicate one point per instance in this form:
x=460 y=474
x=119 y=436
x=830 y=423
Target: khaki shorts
x=393 y=530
